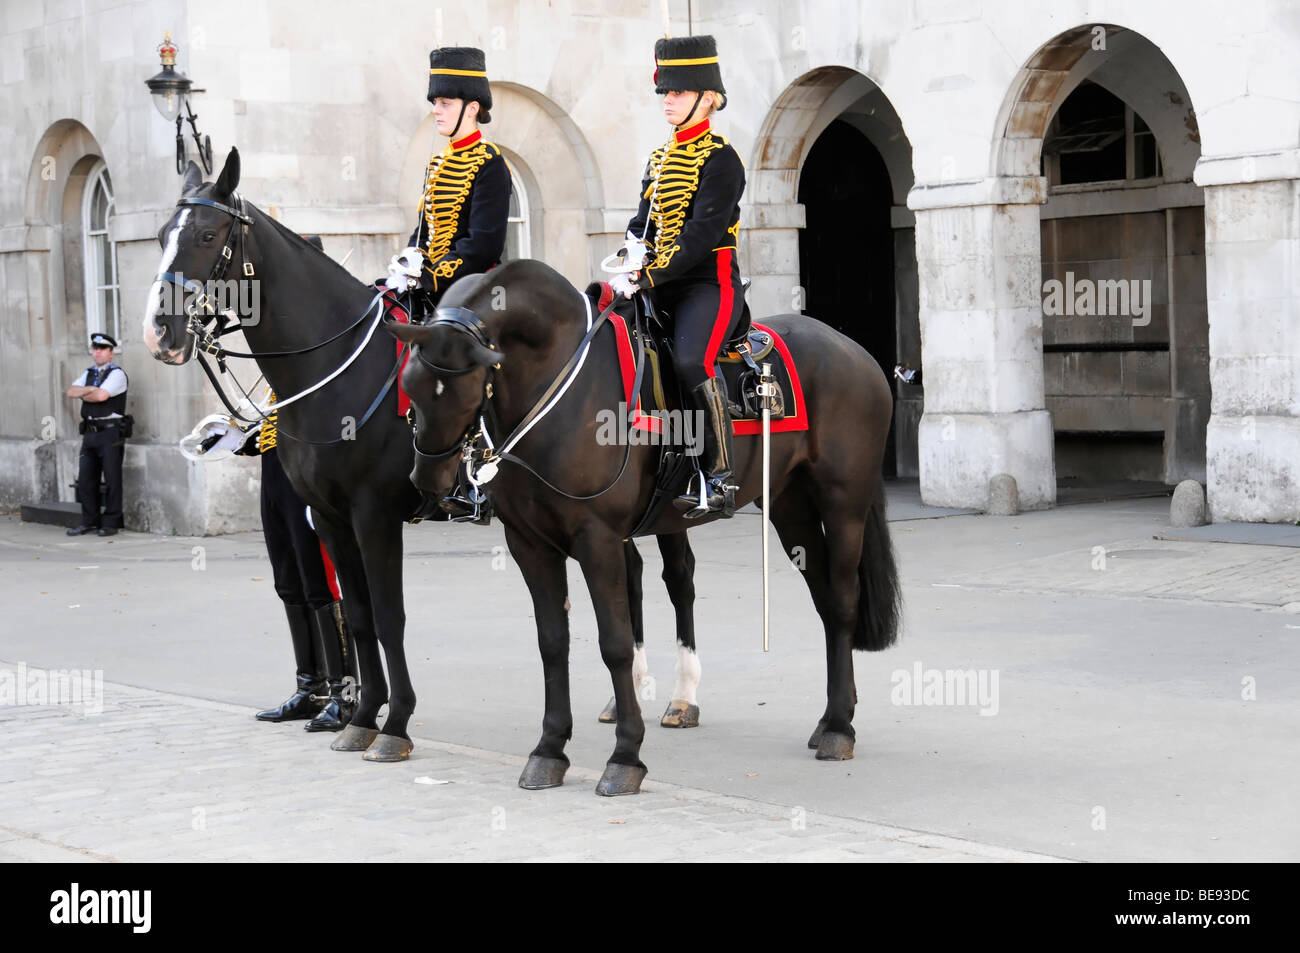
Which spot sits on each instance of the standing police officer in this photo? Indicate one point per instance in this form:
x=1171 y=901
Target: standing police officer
x=102 y=392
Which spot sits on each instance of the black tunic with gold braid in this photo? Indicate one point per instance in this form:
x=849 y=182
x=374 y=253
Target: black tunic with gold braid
x=690 y=198
x=463 y=213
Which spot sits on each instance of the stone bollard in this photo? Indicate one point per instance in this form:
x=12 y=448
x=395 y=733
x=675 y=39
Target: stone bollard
x=1004 y=496
x=1188 y=505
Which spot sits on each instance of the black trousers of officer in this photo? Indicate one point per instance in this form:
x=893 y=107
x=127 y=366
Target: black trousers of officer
x=705 y=313
x=292 y=545
x=101 y=452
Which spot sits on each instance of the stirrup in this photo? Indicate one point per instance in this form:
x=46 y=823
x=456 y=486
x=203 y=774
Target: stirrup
x=693 y=505
x=471 y=507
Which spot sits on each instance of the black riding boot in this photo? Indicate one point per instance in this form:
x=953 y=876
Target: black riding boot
x=340 y=669
x=718 y=494
x=464 y=504
x=301 y=703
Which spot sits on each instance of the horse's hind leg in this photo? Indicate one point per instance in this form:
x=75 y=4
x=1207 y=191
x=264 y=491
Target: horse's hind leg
x=831 y=572
x=679 y=576
x=544 y=571
x=356 y=604
x=635 y=597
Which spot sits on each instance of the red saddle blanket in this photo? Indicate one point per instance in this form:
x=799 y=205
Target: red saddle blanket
x=783 y=368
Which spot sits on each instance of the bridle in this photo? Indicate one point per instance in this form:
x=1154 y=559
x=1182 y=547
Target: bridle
x=200 y=311
x=482 y=462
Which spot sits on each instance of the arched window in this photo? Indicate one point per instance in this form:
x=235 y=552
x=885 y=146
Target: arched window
x=100 y=254
x=1097 y=137
x=518 y=244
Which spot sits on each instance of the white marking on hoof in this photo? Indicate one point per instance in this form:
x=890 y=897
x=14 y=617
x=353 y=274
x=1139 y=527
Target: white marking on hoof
x=688 y=676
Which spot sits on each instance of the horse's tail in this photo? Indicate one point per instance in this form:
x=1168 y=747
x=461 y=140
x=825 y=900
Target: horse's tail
x=880 y=600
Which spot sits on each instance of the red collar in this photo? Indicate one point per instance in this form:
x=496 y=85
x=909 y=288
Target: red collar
x=469 y=140
x=683 y=136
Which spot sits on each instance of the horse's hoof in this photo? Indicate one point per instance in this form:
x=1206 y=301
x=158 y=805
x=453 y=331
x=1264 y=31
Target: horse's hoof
x=621 y=779
x=541 y=773
x=835 y=746
x=608 y=716
x=353 y=738
x=389 y=748
x=815 y=739
x=681 y=715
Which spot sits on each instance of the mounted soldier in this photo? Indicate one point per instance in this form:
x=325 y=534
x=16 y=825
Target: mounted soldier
x=465 y=207
x=683 y=239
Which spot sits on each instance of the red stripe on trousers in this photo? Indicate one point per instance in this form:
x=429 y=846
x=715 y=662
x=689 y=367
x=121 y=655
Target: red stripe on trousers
x=330 y=576
x=725 y=299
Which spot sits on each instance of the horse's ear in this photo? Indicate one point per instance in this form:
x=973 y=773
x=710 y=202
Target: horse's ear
x=409 y=333
x=228 y=180
x=193 y=178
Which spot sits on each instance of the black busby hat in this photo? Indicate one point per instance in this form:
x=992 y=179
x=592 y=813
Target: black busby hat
x=688 y=63
x=100 y=339
x=460 y=72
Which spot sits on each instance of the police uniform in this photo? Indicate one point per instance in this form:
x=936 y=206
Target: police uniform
x=465 y=207
x=317 y=629
x=103 y=428
x=689 y=219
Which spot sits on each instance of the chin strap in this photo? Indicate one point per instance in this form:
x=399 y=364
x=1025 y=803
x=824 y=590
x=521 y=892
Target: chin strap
x=691 y=115
x=459 y=119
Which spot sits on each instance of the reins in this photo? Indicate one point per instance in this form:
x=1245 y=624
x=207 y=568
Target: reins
x=199 y=311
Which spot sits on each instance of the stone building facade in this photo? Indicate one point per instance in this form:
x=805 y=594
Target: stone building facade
x=972 y=188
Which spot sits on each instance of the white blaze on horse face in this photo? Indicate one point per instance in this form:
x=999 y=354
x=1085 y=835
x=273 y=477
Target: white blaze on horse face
x=640 y=668
x=688 y=676
x=157 y=290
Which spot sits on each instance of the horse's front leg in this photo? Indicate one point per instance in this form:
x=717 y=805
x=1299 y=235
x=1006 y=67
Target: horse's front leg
x=345 y=553
x=606 y=576
x=635 y=598
x=379 y=536
x=544 y=571
x=679 y=576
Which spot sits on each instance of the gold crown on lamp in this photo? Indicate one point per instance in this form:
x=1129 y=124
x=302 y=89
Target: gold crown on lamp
x=167 y=49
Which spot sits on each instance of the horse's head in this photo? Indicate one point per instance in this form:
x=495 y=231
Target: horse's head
x=448 y=378
x=201 y=245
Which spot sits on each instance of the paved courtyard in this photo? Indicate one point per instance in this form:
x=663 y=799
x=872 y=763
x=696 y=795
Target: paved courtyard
x=1138 y=701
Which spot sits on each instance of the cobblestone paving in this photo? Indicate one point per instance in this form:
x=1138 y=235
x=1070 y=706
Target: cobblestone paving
x=162 y=777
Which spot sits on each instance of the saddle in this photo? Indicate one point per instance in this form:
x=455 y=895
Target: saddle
x=642 y=330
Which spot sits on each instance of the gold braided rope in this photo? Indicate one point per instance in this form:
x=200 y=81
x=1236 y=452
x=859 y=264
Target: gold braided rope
x=676 y=180
x=266 y=434
x=450 y=177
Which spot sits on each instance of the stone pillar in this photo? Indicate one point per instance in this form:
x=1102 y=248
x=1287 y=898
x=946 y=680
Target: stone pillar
x=1252 y=252
x=979 y=271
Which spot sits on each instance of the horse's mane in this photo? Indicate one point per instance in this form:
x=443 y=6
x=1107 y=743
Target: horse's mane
x=297 y=241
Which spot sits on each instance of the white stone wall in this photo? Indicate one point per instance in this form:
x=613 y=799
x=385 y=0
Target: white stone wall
x=326 y=103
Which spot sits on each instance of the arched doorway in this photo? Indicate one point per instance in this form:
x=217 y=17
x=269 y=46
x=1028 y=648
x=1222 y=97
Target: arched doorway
x=846 y=247
x=832 y=236
x=1103 y=116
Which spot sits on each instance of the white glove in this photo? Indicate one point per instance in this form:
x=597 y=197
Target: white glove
x=404 y=269
x=634 y=253
x=623 y=285
x=233 y=439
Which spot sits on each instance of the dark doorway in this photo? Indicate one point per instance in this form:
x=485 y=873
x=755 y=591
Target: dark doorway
x=846 y=249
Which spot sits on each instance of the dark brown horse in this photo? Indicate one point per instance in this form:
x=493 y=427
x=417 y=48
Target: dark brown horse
x=495 y=348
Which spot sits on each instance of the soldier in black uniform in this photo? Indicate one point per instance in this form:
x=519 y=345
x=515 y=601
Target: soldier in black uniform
x=689 y=219
x=465 y=207
x=104 y=425
x=317 y=628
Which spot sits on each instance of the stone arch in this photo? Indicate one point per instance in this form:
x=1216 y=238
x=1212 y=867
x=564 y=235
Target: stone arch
x=1148 y=81
x=1126 y=400
x=550 y=153
x=820 y=106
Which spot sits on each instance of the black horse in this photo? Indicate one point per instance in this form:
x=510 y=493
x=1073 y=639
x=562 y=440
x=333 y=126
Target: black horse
x=494 y=350
x=352 y=470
